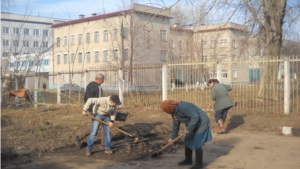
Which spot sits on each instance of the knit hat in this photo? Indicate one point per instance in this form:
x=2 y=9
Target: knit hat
x=168 y=106
x=116 y=99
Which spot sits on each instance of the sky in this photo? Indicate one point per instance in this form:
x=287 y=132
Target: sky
x=71 y=9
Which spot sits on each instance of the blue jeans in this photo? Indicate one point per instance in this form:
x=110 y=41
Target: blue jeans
x=94 y=131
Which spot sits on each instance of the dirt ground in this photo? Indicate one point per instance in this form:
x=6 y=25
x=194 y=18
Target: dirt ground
x=254 y=141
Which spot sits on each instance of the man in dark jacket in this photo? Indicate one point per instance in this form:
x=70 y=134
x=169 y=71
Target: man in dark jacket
x=93 y=90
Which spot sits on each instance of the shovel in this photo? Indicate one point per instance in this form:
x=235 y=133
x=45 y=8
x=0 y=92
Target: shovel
x=107 y=125
x=160 y=150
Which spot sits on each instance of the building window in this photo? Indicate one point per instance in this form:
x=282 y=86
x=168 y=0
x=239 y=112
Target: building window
x=233 y=43
x=65 y=40
x=16 y=31
x=11 y=64
x=80 y=58
x=45 y=32
x=26 y=31
x=65 y=58
x=234 y=74
x=35 y=44
x=26 y=43
x=58 y=41
x=96 y=36
x=212 y=43
x=5 y=54
x=72 y=39
x=24 y=63
x=88 y=57
x=105 y=55
x=212 y=74
x=105 y=35
x=88 y=37
x=234 y=58
x=15 y=42
x=115 y=33
x=115 y=54
x=5 y=30
x=96 y=56
x=115 y=78
x=79 y=38
x=223 y=43
x=180 y=44
x=224 y=74
x=125 y=32
x=163 y=35
x=45 y=62
x=36 y=32
x=163 y=55
x=223 y=57
x=72 y=57
x=172 y=45
x=5 y=42
x=204 y=58
x=45 y=44
x=58 y=59
x=204 y=44
x=125 y=53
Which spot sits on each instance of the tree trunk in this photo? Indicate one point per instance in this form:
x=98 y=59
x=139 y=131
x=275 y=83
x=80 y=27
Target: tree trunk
x=273 y=12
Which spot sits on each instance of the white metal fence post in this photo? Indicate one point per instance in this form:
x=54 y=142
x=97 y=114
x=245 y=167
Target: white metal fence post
x=164 y=83
x=58 y=88
x=287 y=85
x=219 y=71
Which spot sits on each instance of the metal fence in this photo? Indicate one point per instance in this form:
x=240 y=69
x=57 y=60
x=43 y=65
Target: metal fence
x=143 y=84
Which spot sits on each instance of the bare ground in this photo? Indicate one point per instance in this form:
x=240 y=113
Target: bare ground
x=47 y=141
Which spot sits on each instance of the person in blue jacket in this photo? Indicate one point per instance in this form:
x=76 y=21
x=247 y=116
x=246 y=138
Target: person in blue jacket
x=223 y=103
x=197 y=128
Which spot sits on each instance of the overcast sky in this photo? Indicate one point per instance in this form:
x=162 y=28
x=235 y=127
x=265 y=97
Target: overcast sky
x=70 y=9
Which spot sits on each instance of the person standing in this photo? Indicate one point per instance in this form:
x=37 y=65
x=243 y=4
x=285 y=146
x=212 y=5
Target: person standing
x=106 y=111
x=93 y=90
x=222 y=104
x=44 y=86
x=197 y=128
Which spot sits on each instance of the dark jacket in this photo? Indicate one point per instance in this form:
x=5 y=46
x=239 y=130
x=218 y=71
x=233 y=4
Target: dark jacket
x=221 y=97
x=92 y=91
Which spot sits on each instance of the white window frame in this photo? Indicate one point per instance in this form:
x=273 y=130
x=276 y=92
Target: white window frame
x=16 y=43
x=203 y=43
x=234 y=73
x=223 y=43
x=224 y=74
x=58 y=59
x=125 y=56
x=45 y=33
x=105 y=35
x=5 y=30
x=45 y=44
x=16 y=31
x=96 y=56
x=5 y=42
x=65 y=40
x=88 y=57
x=233 y=43
x=80 y=57
x=105 y=55
x=88 y=37
x=212 y=43
x=163 y=35
x=79 y=38
x=58 y=41
x=115 y=77
x=26 y=31
x=72 y=39
x=96 y=36
x=172 y=44
x=72 y=57
x=36 y=44
x=36 y=32
x=180 y=44
x=163 y=55
x=65 y=58
x=26 y=43
x=115 y=54
x=212 y=74
x=115 y=33
x=125 y=32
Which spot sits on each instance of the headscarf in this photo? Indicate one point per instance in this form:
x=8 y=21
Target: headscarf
x=168 y=106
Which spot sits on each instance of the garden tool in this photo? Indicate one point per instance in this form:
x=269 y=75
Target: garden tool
x=209 y=105
x=107 y=125
x=159 y=152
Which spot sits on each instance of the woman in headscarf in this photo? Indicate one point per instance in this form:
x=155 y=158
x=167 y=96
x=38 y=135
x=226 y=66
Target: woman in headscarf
x=197 y=128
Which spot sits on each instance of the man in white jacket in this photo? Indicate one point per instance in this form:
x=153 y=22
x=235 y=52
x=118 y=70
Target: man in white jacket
x=105 y=110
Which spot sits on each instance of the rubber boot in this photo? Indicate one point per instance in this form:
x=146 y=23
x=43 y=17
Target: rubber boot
x=199 y=157
x=188 y=157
